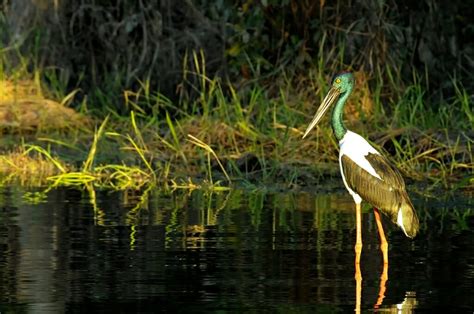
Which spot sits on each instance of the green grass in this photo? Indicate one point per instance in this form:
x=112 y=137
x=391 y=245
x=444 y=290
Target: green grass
x=202 y=141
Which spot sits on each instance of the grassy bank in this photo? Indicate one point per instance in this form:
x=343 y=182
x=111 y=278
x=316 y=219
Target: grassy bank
x=247 y=135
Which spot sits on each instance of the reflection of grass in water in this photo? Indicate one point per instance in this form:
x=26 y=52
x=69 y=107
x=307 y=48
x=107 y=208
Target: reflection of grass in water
x=35 y=198
x=255 y=205
x=189 y=217
x=287 y=208
x=453 y=214
x=280 y=212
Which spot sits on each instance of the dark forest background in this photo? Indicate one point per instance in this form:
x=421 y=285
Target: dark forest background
x=106 y=47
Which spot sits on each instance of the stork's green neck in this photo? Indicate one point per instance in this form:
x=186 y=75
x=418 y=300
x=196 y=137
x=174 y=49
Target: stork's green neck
x=337 y=122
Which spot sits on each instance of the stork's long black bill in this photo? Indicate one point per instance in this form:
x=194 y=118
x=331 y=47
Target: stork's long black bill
x=327 y=102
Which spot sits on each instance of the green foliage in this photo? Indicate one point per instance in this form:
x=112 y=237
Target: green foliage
x=105 y=48
x=223 y=94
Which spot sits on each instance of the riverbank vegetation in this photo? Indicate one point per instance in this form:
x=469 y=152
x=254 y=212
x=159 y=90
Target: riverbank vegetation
x=221 y=97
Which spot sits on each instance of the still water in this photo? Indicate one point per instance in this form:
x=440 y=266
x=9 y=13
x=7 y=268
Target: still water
x=72 y=250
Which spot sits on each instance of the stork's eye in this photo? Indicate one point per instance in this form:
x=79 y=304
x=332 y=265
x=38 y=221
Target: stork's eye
x=337 y=81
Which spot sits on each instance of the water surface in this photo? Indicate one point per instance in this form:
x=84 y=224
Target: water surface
x=76 y=250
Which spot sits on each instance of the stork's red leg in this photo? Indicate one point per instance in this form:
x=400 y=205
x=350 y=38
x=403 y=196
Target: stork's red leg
x=384 y=249
x=383 y=240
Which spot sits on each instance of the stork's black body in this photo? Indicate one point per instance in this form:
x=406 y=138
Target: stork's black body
x=388 y=194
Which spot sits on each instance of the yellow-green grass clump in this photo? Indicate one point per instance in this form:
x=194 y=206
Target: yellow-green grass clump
x=29 y=168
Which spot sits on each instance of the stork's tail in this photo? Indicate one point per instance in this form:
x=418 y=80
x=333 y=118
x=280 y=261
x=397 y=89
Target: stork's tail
x=407 y=218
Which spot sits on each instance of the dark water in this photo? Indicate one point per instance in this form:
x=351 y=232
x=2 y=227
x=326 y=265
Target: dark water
x=82 y=251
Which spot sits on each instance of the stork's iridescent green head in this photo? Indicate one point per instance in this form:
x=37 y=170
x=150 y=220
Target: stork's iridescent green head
x=344 y=81
x=341 y=88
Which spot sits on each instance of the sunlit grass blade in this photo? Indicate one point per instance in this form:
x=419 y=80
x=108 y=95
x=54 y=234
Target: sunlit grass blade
x=69 y=97
x=72 y=179
x=45 y=153
x=123 y=177
x=137 y=131
x=141 y=153
x=207 y=148
x=177 y=145
x=58 y=142
x=87 y=166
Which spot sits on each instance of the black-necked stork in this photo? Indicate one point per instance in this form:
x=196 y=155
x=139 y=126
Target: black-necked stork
x=367 y=174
